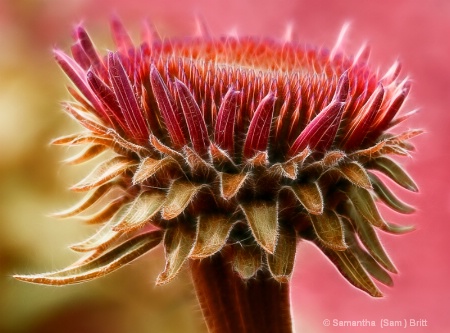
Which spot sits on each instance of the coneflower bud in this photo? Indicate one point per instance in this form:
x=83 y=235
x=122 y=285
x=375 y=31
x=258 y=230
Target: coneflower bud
x=237 y=147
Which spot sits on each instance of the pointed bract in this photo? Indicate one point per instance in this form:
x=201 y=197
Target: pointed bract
x=352 y=270
x=281 y=262
x=149 y=167
x=87 y=202
x=310 y=197
x=231 y=183
x=179 y=196
x=388 y=197
x=212 y=234
x=247 y=260
x=329 y=230
x=356 y=174
x=262 y=218
x=178 y=243
x=143 y=208
x=368 y=237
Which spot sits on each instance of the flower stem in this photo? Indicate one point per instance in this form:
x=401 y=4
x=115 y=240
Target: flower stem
x=232 y=305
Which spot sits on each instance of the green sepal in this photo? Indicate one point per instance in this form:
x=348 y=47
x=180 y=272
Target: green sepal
x=393 y=171
x=389 y=198
x=329 y=230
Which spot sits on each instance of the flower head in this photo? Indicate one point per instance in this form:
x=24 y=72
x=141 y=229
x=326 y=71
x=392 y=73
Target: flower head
x=242 y=146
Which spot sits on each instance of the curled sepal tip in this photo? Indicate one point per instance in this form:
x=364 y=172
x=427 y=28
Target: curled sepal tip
x=365 y=205
x=393 y=171
x=398 y=229
x=90 y=199
x=369 y=238
x=368 y=262
x=389 y=198
x=352 y=270
x=100 y=266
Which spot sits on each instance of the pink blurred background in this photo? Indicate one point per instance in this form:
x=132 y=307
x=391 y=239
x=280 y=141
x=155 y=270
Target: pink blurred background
x=33 y=183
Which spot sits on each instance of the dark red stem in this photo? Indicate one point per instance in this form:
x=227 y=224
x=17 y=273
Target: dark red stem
x=232 y=305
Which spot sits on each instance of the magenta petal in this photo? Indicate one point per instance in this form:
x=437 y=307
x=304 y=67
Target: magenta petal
x=149 y=34
x=342 y=88
x=259 y=129
x=361 y=125
x=392 y=73
x=120 y=35
x=89 y=48
x=224 y=130
x=107 y=97
x=126 y=97
x=77 y=75
x=320 y=132
x=194 y=118
x=169 y=111
x=393 y=108
x=80 y=56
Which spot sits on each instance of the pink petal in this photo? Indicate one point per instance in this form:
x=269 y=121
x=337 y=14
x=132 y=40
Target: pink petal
x=80 y=56
x=320 y=132
x=107 y=97
x=78 y=77
x=168 y=108
x=89 y=48
x=149 y=34
x=342 y=89
x=194 y=118
x=120 y=35
x=393 y=108
x=360 y=125
x=259 y=129
x=126 y=98
x=226 y=118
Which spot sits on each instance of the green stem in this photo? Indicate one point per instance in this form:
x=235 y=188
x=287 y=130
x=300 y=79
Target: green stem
x=232 y=305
